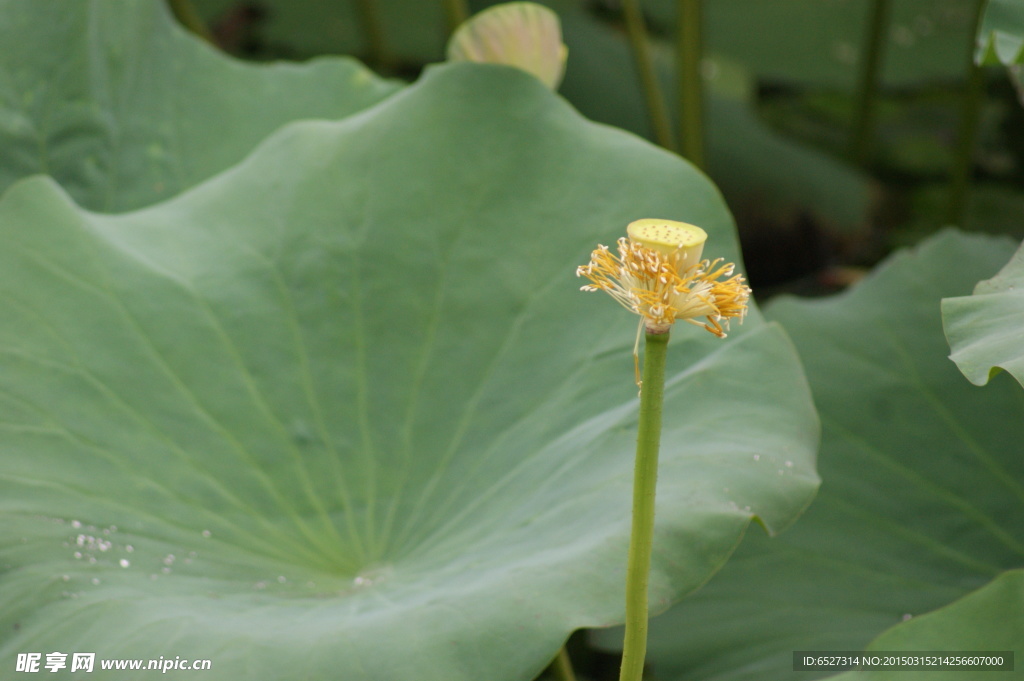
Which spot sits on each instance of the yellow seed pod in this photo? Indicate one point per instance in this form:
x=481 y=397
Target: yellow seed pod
x=521 y=34
x=679 y=240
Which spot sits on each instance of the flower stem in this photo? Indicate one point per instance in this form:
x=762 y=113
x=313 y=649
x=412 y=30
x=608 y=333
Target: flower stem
x=867 y=87
x=369 y=20
x=456 y=12
x=691 y=102
x=645 y=479
x=656 y=109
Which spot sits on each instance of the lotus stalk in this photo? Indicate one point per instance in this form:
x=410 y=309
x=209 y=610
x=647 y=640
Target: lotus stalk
x=868 y=80
x=657 y=109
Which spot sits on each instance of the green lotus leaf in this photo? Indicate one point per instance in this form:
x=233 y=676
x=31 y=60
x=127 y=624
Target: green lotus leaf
x=342 y=411
x=985 y=621
x=921 y=498
x=984 y=329
x=1001 y=36
x=123 y=108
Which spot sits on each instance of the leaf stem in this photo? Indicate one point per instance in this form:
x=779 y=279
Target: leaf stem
x=645 y=479
x=971 y=108
x=456 y=12
x=656 y=109
x=689 y=48
x=561 y=666
x=867 y=86
x=369 y=19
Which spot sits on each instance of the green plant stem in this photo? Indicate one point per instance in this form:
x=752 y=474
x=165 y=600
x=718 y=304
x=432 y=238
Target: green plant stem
x=456 y=11
x=867 y=86
x=689 y=48
x=561 y=667
x=960 y=179
x=656 y=109
x=187 y=15
x=645 y=480
x=369 y=19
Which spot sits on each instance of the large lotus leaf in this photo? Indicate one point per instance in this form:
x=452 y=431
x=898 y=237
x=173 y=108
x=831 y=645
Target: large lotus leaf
x=1001 y=36
x=921 y=500
x=986 y=330
x=342 y=411
x=123 y=108
x=819 y=42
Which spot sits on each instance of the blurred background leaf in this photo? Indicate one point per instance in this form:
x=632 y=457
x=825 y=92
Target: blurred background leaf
x=131 y=109
x=985 y=330
x=1001 y=38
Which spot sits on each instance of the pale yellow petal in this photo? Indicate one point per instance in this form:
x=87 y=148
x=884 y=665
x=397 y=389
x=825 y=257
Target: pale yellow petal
x=521 y=34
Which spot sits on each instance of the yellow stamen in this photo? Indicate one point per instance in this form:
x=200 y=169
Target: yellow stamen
x=649 y=282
